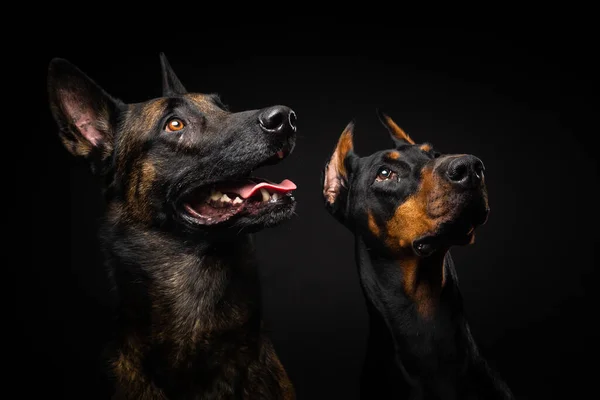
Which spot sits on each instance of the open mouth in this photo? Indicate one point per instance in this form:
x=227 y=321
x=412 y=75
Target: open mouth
x=241 y=196
x=251 y=196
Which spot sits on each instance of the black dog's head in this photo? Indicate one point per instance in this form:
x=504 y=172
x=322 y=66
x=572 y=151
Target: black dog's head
x=408 y=198
x=182 y=161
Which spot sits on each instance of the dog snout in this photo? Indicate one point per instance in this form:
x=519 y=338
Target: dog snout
x=465 y=171
x=278 y=119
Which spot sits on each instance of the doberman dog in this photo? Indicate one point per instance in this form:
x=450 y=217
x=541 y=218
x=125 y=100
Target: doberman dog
x=407 y=206
x=181 y=210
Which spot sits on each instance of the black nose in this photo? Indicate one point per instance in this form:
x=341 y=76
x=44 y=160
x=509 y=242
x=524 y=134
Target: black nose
x=466 y=171
x=278 y=119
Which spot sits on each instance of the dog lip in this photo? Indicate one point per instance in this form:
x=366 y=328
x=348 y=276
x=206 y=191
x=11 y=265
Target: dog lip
x=219 y=202
x=207 y=220
x=448 y=234
x=217 y=215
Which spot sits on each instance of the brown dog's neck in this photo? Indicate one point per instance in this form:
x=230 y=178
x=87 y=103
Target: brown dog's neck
x=183 y=291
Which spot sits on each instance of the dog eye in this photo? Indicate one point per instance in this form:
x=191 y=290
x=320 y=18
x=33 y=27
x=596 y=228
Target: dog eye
x=174 y=125
x=384 y=174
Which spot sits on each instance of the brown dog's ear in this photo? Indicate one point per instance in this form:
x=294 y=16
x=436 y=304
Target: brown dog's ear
x=85 y=114
x=336 y=174
x=171 y=85
x=397 y=134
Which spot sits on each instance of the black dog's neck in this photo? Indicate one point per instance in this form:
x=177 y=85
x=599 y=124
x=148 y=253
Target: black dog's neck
x=418 y=335
x=183 y=291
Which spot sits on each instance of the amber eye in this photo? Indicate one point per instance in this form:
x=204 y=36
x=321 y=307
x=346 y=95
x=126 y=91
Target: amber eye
x=174 y=125
x=384 y=174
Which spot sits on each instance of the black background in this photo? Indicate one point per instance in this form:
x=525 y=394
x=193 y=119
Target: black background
x=521 y=102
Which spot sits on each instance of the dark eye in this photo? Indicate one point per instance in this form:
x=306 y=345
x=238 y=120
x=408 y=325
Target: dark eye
x=174 y=125
x=384 y=174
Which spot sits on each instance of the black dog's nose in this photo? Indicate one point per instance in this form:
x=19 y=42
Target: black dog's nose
x=278 y=119
x=466 y=171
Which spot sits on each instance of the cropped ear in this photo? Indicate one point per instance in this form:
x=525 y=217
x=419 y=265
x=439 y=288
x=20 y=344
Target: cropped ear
x=397 y=134
x=336 y=173
x=85 y=114
x=171 y=85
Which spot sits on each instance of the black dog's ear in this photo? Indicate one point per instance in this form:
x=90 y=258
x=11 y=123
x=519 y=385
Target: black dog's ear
x=85 y=114
x=337 y=171
x=171 y=85
x=397 y=134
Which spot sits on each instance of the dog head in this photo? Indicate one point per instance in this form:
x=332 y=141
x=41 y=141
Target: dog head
x=409 y=198
x=182 y=161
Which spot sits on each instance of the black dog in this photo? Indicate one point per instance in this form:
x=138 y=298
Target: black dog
x=406 y=207
x=181 y=209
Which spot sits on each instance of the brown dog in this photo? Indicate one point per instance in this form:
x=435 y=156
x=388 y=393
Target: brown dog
x=181 y=209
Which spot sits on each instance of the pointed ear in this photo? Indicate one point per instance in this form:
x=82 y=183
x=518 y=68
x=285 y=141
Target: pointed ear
x=171 y=85
x=397 y=134
x=336 y=173
x=85 y=114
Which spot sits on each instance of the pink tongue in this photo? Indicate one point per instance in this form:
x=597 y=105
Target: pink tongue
x=247 y=190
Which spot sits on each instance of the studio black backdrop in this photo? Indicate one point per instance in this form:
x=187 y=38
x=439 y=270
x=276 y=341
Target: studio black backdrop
x=519 y=103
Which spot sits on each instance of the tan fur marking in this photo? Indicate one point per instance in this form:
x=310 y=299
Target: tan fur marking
x=153 y=111
x=373 y=227
x=140 y=185
x=422 y=277
x=136 y=128
x=344 y=146
x=132 y=383
x=148 y=175
x=203 y=103
x=125 y=369
x=422 y=281
x=285 y=383
x=426 y=147
x=78 y=148
x=411 y=219
x=420 y=214
x=336 y=173
x=396 y=130
x=393 y=155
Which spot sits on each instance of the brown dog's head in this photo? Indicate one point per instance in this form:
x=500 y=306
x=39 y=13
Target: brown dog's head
x=181 y=161
x=409 y=199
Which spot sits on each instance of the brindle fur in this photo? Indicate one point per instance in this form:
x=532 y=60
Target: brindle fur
x=189 y=320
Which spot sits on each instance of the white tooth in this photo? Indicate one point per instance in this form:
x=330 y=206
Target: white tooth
x=265 y=194
x=275 y=197
x=237 y=200
x=216 y=195
x=225 y=199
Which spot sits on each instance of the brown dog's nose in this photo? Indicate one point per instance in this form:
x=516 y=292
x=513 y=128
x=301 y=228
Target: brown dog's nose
x=465 y=171
x=278 y=119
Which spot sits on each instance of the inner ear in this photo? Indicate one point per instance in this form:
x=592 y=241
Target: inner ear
x=84 y=112
x=337 y=169
x=397 y=134
x=81 y=114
